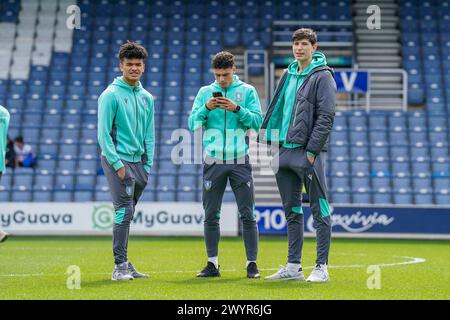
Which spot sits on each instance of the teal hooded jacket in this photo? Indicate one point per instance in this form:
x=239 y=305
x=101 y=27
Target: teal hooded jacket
x=4 y=123
x=126 y=124
x=225 y=131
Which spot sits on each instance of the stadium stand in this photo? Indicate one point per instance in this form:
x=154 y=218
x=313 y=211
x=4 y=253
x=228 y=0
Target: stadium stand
x=51 y=77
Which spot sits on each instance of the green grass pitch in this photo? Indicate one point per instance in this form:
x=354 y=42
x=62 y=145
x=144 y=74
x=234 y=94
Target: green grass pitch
x=35 y=268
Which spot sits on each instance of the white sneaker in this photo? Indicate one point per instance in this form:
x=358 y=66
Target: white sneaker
x=121 y=272
x=319 y=274
x=3 y=235
x=285 y=274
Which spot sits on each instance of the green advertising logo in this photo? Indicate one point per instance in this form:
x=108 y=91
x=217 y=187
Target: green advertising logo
x=103 y=217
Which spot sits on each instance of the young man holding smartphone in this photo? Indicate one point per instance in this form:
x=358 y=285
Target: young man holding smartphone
x=226 y=109
x=302 y=113
x=126 y=137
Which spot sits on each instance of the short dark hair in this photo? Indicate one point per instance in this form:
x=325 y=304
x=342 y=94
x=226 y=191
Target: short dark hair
x=305 y=33
x=132 y=50
x=223 y=60
x=19 y=139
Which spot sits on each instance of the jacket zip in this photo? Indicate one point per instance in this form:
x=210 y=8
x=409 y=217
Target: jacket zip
x=296 y=107
x=275 y=99
x=225 y=129
x=137 y=119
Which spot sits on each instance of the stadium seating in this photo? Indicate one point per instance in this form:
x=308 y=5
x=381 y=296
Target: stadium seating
x=374 y=157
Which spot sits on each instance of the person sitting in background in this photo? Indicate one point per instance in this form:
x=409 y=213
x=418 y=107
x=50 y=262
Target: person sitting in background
x=24 y=153
x=10 y=155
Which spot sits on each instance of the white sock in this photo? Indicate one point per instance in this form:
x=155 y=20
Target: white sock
x=214 y=260
x=294 y=266
x=248 y=262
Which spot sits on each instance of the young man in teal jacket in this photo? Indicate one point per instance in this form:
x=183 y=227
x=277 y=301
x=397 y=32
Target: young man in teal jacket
x=302 y=113
x=227 y=109
x=126 y=138
x=4 y=123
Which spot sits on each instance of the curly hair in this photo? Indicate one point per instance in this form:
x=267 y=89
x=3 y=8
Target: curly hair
x=132 y=50
x=223 y=60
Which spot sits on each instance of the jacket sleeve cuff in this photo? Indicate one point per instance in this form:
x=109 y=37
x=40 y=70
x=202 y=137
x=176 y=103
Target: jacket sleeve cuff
x=117 y=165
x=241 y=112
x=204 y=110
x=147 y=168
x=311 y=154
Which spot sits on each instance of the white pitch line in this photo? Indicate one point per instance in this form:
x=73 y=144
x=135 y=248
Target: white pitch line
x=383 y=264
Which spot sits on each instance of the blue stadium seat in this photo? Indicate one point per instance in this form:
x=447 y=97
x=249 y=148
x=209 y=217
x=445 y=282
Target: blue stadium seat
x=421 y=181
x=64 y=181
x=382 y=196
x=166 y=193
x=83 y=195
x=187 y=194
x=44 y=179
x=441 y=196
x=6 y=180
x=24 y=179
x=441 y=183
x=68 y=149
x=340 y=166
x=62 y=195
x=340 y=182
x=361 y=195
x=403 y=196
x=21 y=194
x=166 y=180
x=41 y=195
x=340 y=195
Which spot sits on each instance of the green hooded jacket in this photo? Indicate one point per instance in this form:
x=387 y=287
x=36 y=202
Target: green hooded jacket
x=225 y=135
x=126 y=124
x=4 y=123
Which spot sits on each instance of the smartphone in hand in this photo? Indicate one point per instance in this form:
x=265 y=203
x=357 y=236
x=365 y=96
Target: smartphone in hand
x=217 y=94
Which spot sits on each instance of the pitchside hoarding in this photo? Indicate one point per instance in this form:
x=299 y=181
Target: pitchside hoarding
x=170 y=218
x=356 y=221
x=97 y=218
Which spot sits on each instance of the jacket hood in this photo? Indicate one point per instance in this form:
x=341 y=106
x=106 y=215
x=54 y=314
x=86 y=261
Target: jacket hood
x=118 y=81
x=318 y=60
x=236 y=83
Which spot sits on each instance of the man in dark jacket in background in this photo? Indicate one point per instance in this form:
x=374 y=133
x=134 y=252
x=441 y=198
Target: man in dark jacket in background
x=299 y=118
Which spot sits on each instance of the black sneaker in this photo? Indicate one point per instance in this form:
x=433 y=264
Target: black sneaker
x=209 y=271
x=252 y=271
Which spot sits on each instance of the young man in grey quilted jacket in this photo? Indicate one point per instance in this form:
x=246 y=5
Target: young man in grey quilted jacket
x=299 y=119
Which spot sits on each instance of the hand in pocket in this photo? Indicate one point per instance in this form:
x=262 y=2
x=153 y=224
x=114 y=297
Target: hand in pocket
x=310 y=158
x=121 y=173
